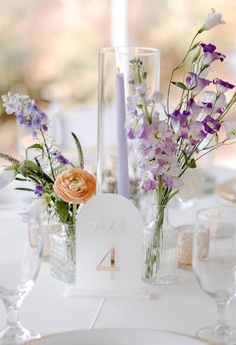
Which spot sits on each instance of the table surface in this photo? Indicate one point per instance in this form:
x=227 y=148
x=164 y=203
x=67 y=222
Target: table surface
x=182 y=307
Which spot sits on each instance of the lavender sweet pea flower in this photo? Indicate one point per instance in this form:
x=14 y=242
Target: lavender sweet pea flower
x=208 y=48
x=210 y=54
x=179 y=117
x=206 y=107
x=193 y=133
x=195 y=83
x=194 y=109
x=222 y=86
x=211 y=125
x=210 y=97
x=213 y=19
x=171 y=172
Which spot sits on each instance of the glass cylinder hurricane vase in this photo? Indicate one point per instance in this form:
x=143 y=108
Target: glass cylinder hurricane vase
x=117 y=165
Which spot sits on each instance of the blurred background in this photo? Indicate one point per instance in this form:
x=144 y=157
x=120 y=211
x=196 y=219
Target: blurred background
x=49 y=50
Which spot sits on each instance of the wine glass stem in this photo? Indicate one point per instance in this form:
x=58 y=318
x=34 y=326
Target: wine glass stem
x=12 y=315
x=222 y=305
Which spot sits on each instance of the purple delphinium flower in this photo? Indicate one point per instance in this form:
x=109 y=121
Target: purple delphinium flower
x=222 y=86
x=60 y=158
x=38 y=190
x=211 y=125
x=27 y=112
x=195 y=83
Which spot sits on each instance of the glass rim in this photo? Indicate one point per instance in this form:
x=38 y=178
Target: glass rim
x=125 y=50
x=202 y=213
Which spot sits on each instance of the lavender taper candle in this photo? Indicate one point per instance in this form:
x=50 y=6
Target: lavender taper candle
x=122 y=151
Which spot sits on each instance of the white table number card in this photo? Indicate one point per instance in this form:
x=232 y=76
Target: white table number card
x=109 y=236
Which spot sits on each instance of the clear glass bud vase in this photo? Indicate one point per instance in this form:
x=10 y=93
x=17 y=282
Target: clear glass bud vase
x=160 y=249
x=63 y=254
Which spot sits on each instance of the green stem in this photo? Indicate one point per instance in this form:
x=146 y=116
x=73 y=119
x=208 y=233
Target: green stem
x=48 y=154
x=74 y=211
x=180 y=65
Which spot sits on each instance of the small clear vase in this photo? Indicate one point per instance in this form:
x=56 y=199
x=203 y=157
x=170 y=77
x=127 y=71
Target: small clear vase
x=160 y=250
x=48 y=225
x=63 y=254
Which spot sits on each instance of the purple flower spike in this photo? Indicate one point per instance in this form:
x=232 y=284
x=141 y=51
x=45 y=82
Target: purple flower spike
x=27 y=112
x=211 y=125
x=222 y=86
x=38 y=190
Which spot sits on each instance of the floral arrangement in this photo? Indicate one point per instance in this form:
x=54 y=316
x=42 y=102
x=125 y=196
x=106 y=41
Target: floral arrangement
x=59 y=186
x=170 y=142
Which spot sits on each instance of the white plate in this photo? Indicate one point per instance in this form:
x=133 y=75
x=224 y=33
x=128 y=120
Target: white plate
x=117 y=337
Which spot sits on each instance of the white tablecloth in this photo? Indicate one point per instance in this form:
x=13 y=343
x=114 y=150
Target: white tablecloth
x=182 y=307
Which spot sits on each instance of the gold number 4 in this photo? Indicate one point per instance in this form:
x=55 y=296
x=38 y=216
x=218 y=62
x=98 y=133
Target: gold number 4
x=112 y=268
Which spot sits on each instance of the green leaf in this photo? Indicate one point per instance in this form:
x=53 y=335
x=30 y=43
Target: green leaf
x=192 y=164
x=25 y=189
x=180 y=85
x=29 y=169
x=79 y=149
x=26 y=167
x=62 y=208
x=38 y=164
x=12 y=167
x=172 y=195
x=34 y=146
x=21 y=179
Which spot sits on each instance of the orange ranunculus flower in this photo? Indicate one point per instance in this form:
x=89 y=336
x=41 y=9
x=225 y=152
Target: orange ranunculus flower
x=75 y=185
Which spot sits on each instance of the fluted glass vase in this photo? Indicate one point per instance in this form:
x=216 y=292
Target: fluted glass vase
x=160 y=249
x=63 y=254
